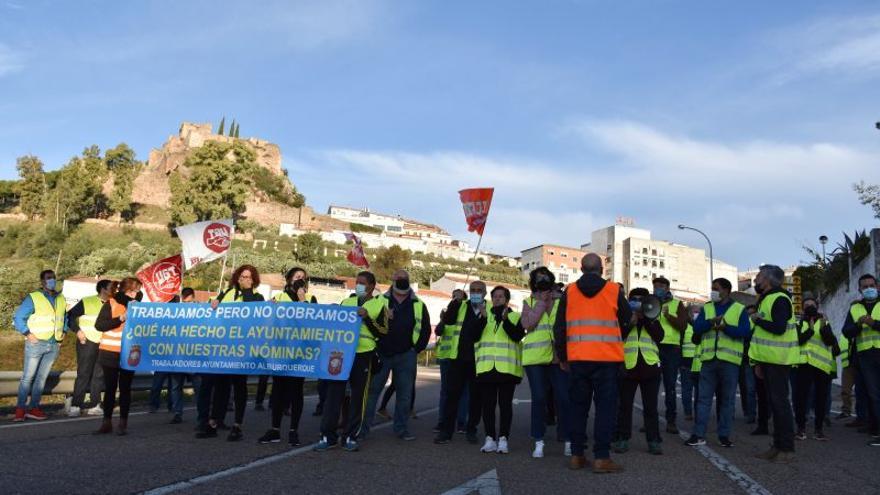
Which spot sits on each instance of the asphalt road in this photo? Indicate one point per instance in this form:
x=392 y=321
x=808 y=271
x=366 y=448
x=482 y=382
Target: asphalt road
x=61 y=455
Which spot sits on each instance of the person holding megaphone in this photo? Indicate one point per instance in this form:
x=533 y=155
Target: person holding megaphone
x=641 y=360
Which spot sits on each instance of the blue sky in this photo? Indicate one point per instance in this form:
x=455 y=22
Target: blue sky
x=750 y=120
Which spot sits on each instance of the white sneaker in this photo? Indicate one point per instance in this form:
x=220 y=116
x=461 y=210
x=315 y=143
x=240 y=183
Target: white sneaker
x=95 y=411
x=502 y=446
x=73 y=412
x=538 y=453
x=68 y=402
x=567 y=449
x=489 y=446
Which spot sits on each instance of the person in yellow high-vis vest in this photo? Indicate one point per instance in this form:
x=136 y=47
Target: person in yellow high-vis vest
x=540 y=362
x=674 y=320
x=641 y=359
x=774 y=349
x=819 y=351
x=498 y=356
x=862 y=326
x=446 y=339
x=42 y=319
x=89 y=375
x=371 y=308
x=722 y=327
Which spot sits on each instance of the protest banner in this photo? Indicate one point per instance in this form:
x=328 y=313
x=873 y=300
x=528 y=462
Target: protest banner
x=257 y=338
x=162 y=280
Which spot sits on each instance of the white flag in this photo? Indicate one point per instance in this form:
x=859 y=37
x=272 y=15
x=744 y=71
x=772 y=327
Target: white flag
x=205 y=241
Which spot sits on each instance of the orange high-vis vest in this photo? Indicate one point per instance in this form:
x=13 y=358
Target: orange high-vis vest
x=592 y=330
x=111 y=340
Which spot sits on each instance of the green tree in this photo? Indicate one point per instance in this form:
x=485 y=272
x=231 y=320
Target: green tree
x=121 y=162
x=218 y=186
x=76 y=192
x=235 y=134
x=231 y=127
x=32 y=187
x=388 y=260
x=222 y=126
x=869 y=195
x=309 y=248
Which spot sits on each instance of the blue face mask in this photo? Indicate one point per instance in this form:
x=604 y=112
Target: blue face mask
x=870 y=293
x=51 y=284
x=360 y=290
x=660 y=292
x=635 y=305
x=477 y=299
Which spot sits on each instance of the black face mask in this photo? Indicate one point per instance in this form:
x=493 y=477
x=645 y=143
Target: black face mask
x=139 y=296
x=811 y=311
x=758 y=289
x=401 y=284
x=543 y=282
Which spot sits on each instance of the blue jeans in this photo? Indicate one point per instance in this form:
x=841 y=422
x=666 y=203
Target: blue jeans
x=869 y=366
x=589 y=380
x=461 y=419
x=403 y=366
x=541 y=378
x=862 y=411
x=714 y=373
x=747 y=390
x=175 y=395
x=670 y=362
x=687 y=387
x=159 y=380
x=38 y=359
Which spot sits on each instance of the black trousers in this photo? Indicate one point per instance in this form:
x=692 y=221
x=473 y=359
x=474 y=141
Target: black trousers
x=500 y=395
x=89 y=376
x=650 y=391
x=461 y=374
x=776 y=381
x=262 y=386
x=206 y=395
x=322 y=394
x=810 y=377
x=359 y=380
x=287 y=391
x=763 y=404
x=223 y=386
x=113 y=377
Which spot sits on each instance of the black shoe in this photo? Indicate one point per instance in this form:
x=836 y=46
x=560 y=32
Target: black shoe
x=271 y=436
x=259 y=407
x=208 y=432
x=725 y=442
x=695 y=441
x=222 y=426
x=671 y=428
x=235 y=434
x=436 y=429
x=176 y=420
x=761 y=430
x=442 y=439
x=472 y=437
x=293 y=438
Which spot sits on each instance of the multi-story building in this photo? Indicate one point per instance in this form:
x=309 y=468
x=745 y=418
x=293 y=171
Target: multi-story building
x=635 y=259
x=564 y=262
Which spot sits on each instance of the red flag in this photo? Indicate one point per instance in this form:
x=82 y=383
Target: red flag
x=356 y=256
x=162 y=279
x=476 y=203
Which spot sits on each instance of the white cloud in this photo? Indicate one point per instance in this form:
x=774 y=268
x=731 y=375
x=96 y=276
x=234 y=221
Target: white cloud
x=836 y=46
x=11 y=61
x=751 y=196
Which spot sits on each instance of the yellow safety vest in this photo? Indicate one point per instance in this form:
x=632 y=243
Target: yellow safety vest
x=843 y=342
x=374 y=307
x=91 y=307
x=47 y=321
x=697 y=363
x=868 y=338
x=283 y=297
x=671 y=335
x=229 y=297
x=767 y=347
x=688 y=348
x=815 y=352
x=640 y=343
x=418 y=311
x=537 y=345
x=719 y=345
x=447 y=345
x=496 y=351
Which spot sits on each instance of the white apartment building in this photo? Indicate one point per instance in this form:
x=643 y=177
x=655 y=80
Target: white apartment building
x=564 y=262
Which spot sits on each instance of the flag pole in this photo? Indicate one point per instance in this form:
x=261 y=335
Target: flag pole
x=476 y=252
x=222 y=272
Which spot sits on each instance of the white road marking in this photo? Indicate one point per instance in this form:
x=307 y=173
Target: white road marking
x=746 y=482
x=200 y=480
x=484 y=484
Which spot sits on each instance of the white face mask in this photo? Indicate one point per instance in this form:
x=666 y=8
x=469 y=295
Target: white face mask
x=716 y=296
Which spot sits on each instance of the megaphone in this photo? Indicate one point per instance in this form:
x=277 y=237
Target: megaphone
x=651 y=307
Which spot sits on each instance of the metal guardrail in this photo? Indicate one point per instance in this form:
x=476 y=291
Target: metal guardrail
x=62 y=382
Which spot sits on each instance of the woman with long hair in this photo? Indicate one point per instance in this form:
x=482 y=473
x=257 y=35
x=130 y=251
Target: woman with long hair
x=111 y=322
x=287 y=391
x=242 y=288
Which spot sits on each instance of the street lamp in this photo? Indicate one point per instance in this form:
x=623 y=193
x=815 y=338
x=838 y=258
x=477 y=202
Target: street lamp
x=824 y=240
x=711 y=257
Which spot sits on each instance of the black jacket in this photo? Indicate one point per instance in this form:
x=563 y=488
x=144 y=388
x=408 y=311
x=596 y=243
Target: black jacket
x=589 y=284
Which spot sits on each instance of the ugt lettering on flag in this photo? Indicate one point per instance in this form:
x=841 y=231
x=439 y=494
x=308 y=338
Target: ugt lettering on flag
x=476 y=204
x=162 y=279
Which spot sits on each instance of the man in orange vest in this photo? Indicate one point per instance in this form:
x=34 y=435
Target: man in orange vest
x=588 y=341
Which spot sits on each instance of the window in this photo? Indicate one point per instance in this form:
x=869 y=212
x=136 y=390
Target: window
x=636 y=274
x=562 y=265
x=644 y=250
x=654 y=263
x=653 y=252
x=564 y=254
x=563 y=277
x=662 y=264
